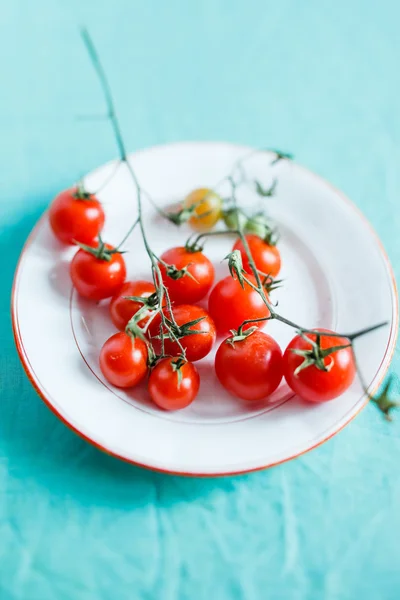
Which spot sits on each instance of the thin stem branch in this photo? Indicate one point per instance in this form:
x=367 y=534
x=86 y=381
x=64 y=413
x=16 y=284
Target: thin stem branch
x=128 y=234
x=94 y=57
x=157 y=277
x=109 y=178
x=353 y=336
x=253 y=267
x=364 y=385
x=211 y=234
x=249 y=321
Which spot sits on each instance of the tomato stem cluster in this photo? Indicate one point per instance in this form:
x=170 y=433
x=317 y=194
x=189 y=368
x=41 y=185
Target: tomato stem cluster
x=168 y=326
x=100 y=251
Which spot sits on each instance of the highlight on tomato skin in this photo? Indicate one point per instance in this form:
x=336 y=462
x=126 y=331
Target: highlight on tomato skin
x=196 y=345
x=97 y=278
x=122 y=309
x=191 y=287
x=123 y=360
x=76 y=216
x=229 y=304
x=208 y=209
x=311 y=383
x=173 y=387
x=249 y=368
x=266 y=256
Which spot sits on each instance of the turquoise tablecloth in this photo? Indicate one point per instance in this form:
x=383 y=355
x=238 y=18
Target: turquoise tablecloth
x=317 y=78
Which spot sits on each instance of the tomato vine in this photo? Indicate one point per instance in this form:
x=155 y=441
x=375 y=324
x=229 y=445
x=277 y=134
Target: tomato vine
x=236 y=221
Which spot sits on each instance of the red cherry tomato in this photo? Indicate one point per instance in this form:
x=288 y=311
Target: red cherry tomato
x=267 y=258
x=171 y=391
x=189 y=289
x=97 y=278
x=123 y=360
x=122 y=310
x=313 y=384
x=251 y=368
x=197 y=345
x=229 y=304
x=76 y=216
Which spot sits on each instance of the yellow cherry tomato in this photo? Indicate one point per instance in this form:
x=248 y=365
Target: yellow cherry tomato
x=208 y=208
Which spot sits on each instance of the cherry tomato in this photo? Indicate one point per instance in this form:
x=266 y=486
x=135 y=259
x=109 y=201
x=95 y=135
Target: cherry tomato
x=76 y=216
x=208 y=208
x=95 y=277
x=266 y=257
x=172 y=391
x=251 y=368
x=123 y=360
x=313 y=384
x=191 y=288
x=229 y=304
x=197 y=345
x=122 y=310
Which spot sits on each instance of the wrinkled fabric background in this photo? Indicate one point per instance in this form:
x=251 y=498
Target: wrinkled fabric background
x=318 y=78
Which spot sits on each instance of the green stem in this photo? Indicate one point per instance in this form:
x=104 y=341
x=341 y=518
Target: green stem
x=260 y=288
x=359 y=373
x=249 y=321
x=212 y=234
x=353 y=336
x=128 y=234
x=94 y=57
x=157 y=278
x=109 y=178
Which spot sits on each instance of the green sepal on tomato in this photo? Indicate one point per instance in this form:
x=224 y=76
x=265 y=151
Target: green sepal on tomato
x=188 y=275
x=123 y=308
x=319 y=368
x=173 y=383
x=195 y=330
x=266 y=256
x=98 y=272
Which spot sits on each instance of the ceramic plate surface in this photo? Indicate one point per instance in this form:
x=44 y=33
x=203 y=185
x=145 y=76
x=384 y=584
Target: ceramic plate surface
x=330 y=256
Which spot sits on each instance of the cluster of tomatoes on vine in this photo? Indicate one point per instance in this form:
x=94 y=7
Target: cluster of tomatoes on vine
x=163 y=331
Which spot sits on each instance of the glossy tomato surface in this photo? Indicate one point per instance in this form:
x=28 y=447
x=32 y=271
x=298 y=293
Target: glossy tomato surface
x=123 y=360
x=313 y=384
x=187 y=289
x=96 y=278
x=168 y=390
x=74 y=219
x=266 y=257
x=229 y=304
x=251 y=368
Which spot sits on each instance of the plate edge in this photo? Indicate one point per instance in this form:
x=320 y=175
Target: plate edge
x=388 y=356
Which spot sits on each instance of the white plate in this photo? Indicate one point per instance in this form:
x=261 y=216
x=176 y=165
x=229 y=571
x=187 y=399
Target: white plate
x=336 y=276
